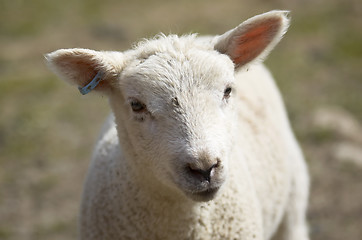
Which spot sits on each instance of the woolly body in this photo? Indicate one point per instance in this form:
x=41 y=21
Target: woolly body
x=147 y=176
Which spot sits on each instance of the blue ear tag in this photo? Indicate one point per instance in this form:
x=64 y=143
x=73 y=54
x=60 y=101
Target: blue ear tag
x=90 y=86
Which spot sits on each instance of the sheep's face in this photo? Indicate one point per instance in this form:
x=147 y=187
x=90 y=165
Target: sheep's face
x=172 y=98
x=178 y=117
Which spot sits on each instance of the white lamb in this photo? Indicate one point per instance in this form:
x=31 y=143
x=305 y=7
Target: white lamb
x=199 y=147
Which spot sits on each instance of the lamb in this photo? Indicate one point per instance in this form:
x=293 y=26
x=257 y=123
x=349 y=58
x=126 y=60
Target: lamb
x=199 y=145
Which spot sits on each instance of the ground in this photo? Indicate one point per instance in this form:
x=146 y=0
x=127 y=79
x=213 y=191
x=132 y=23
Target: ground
x=47 y=130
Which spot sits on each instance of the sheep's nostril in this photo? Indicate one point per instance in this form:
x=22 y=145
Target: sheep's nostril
x=215 y=165
x=200 y=174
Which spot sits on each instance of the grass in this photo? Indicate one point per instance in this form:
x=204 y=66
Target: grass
x=47 y=130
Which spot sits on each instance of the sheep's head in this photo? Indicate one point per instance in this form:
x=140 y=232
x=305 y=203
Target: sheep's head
x=173 y=96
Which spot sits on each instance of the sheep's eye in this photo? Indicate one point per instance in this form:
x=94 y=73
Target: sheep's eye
x=227 y=92
x=137 y=106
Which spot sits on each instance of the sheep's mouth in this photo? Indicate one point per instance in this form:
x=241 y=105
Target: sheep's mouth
x=199 y=188
x=203 y=196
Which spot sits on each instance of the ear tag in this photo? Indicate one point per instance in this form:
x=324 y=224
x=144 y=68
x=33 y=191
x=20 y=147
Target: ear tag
x=90 y=86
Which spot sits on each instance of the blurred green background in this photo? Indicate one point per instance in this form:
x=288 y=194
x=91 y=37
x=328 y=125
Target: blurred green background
x=47 y=130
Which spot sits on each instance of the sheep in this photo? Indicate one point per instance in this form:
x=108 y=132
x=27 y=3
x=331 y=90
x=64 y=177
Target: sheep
x=198 y=146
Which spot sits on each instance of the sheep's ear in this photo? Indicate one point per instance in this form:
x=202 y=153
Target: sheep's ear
x=253 y=39
x=79 y=66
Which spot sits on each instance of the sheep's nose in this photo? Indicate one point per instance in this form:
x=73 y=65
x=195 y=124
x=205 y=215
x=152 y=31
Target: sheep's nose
x=202 y=174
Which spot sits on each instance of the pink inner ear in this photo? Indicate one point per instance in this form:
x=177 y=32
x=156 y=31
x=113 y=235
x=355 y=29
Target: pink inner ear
x=80 y=69
x=253 y=41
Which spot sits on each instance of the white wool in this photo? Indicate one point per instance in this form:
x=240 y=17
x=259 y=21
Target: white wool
x=198 y=146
